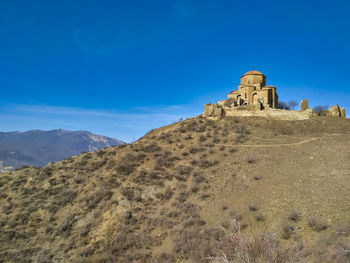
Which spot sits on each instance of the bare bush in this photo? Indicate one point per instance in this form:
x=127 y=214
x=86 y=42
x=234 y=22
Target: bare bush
x=292 y=104
x=253 y=207
x=286 y=232
x=260 y=217
x=163 y=258
x=239 y=248
x=321 y=110
x=294 y=215
x=250 y=159
x=316 y=224
x=283 y=106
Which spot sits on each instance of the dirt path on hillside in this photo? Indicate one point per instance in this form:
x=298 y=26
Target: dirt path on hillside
x=269 y=145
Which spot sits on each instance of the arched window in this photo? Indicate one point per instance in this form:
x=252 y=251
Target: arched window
x=255 y=98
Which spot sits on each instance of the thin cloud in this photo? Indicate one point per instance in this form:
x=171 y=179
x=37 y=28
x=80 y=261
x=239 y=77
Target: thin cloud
x=124 y=126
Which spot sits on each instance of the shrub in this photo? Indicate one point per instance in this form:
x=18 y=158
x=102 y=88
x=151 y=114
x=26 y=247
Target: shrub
x=130 y=157
x=153 y=147
x=79 y=179
x=253 y=207
x=259 y=217
x=225 y=224
x=232 y=150
x=198 y=178
x=292 y=104
x=94 y=198
x=240 y=248
x=286 y=232
x=194 y=189
x=316 y=224
x=237 y=216
x=283 y=106
x=168 y=193
x=183 y=170
x=202 y=138
x=195 y=243
x=321 y=110
x=216 y=140
x=128 y=193
x=126 y=169
x=239 y=138
x=188 y=137
x=193 y=150
x=250 y=160
x=203 y=163
x=166 y=161
x=241 y=129
x=294 y=215
x=66 y=196
x=163 y=258
x=181 y=197
x=256 y=177
x=185 y=153
x=201 y=128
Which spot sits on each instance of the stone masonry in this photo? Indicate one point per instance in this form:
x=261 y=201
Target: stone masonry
x=254 y=98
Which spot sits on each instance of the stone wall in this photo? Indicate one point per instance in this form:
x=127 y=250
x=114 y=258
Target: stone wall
x=215 y=111
x=342 y=113
x=271 y=113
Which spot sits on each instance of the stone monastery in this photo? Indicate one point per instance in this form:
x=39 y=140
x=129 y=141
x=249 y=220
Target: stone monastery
x=253 y=91
x=254 y=98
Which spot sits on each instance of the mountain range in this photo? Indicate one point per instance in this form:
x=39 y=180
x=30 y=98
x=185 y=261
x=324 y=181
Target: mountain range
x=37 y=147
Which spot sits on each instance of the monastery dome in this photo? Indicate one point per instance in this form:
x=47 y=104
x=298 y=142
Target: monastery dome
x=253 y=72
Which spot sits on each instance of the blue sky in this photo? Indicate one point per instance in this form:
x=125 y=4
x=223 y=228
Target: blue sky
x=121 y=68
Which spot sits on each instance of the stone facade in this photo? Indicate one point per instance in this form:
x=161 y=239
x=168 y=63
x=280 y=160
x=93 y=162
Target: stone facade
x=342 y=113
x=304 y=105
x=254 y=98
x=335 y=111
x=253 y=92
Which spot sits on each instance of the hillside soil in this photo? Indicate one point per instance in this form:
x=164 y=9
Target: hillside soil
x=185 y=193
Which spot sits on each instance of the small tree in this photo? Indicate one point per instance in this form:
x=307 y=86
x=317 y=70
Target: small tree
x=321 y=110
x=229 y=102
x=283 y=106
x=292 y=104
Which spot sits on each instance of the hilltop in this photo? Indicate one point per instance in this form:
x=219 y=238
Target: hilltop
x=37 y=147
x=178 y=193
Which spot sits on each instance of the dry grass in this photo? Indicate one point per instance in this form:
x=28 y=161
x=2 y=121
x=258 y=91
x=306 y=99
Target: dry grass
x=239 y=248
x=161 y=198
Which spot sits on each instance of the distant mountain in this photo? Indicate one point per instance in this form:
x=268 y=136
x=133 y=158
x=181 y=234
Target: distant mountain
x=38 y=147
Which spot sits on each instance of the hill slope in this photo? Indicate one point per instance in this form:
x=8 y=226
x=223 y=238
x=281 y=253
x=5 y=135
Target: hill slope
x=38 y=147
x=168 y=196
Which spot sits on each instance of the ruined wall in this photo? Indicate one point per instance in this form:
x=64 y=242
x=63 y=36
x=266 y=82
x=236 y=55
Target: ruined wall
x=215 y=111
x=271 y=113
x=304 y=105
x=342 y=113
